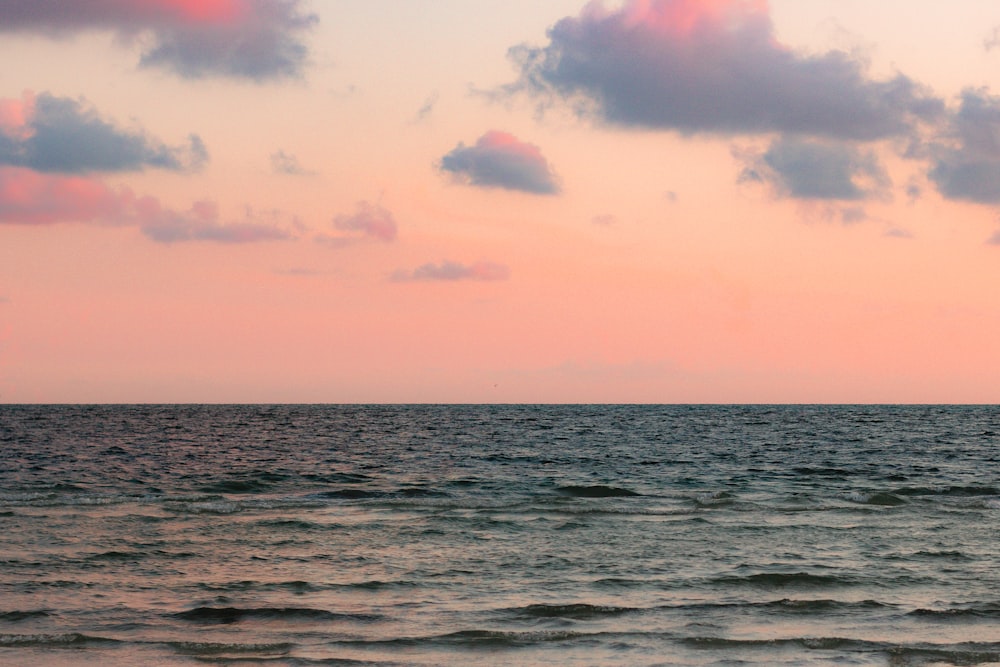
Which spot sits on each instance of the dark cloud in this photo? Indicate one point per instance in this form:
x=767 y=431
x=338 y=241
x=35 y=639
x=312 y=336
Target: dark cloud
x=251 y=39
x=713 y=67
x=806 y=169
x=286 y=163
x=965 y=161
x=500 y=160
x=450 y=271
x=369 y=222
x=63 y=135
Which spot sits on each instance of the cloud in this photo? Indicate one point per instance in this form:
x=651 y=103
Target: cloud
x=428 y=106
x=201 y=223
x=604 y=220
x=31 y=198
x=965 y=161
x=58 y=134
x=712 y=66
x=369 y=222
x=818 y=170
x=286 y=163
x=994 y=239
x=248 y=39
x=499 y=160
x=450 y=271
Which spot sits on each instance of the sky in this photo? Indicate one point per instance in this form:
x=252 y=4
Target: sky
x=638 y=201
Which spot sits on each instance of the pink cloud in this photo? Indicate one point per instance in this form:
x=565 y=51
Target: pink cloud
x=30 y=198
x=27 y=197
x=453 y=271
x=255 y=39
x=501 y=160
x=369 y=222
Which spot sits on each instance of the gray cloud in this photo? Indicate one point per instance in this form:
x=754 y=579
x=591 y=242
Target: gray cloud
x=201 y=223
x=714 y=68
x=66 y=136
x=250 y=39
x=286 y=163
x=450 y=271
x=965 y=161
x=806 y=169
x=500 y=160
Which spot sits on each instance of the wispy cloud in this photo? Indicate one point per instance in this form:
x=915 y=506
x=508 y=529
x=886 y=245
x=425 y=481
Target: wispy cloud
x=58 y=134
x=286 y=163
x=712 y=67
x=248 y=39
x=450 y=271
x=500 y=160
x=369 y=222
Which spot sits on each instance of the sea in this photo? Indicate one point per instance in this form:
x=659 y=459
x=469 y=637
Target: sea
x=251 y=535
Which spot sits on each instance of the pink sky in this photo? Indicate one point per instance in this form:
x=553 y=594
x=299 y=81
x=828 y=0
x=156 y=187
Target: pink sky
x=500 y=201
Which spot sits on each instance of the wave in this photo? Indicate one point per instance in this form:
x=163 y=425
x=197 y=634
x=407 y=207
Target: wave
x=786 y=579
x=58 y=639
x=954 y=491
x=576 y=611
x=228 y=615
x=220 y=650
x=972 y=610
x=16 y=616
x=882 y=498
x=595 y=491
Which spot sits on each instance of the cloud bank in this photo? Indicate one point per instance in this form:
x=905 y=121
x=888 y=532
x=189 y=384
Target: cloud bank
x=500 y=160
x=247 y=39
x=58 y=134
x=450 y=271
x=712 y=66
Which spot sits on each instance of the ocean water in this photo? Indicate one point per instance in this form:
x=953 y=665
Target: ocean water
x=499 y=535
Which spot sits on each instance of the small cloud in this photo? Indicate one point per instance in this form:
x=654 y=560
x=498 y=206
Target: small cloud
x=61 y=135
x=500 y=160
x=201 y=223
x=369 y=222
x=993 y=40
x=815 y=170
x=450 y=271
x=898 y=233
x=670 y=196
x=606 y=220
x=428 y=107
x=245 y=39
x=286 y=163
x=994 y=239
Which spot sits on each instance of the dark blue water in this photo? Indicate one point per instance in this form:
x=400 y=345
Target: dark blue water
x=502 y=535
